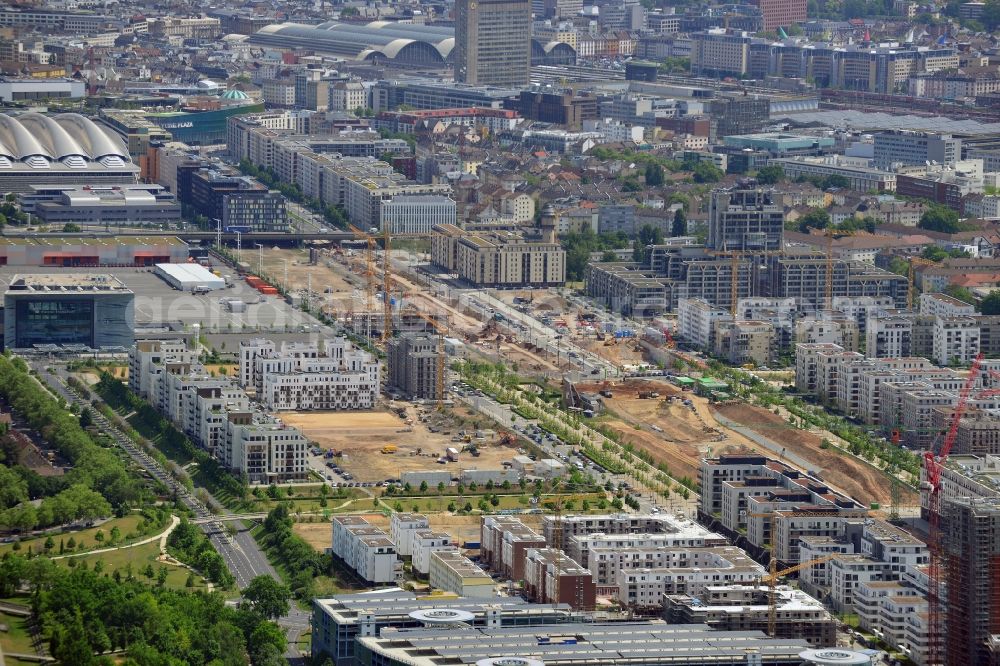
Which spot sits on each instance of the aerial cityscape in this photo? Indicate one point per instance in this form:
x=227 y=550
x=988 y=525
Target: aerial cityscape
x=500 y=333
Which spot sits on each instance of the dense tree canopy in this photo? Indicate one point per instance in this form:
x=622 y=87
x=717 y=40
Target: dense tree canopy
x=940 y=218
x=991 y=304
x=817 y=218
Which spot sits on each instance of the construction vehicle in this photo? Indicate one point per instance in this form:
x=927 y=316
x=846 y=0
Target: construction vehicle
x=648 y=395
x=390 y=448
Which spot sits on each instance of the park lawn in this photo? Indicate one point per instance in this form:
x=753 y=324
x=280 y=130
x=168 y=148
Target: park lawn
x=17 y=638
x=139 y=557
x=126 y=525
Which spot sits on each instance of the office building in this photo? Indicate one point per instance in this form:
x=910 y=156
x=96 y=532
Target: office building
x=333 y=374
x=337 y=622
x=720 y=52
x=413 y=365
x=608 y=644
x=453 y=572
x=254 y=210
x=93 y=310
x=493 y=42
x=365 y=549
x=900 y=147
x=101 y=206
x=745 y=220
x=860 y=176
x=781 y=13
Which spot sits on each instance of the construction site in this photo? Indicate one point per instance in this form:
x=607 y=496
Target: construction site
x=382 y=444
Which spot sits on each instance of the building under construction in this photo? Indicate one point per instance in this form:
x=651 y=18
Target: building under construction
x=413 y=365
x=971 y=563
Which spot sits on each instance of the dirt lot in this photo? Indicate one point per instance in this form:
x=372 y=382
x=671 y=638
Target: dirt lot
x=342 y=294
x=858 y=479
x=685 y=437
x=462 y=528
x=623 y=353
x=361 y=437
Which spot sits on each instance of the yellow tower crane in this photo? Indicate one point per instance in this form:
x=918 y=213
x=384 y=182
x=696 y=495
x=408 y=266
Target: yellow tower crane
x=440 y=370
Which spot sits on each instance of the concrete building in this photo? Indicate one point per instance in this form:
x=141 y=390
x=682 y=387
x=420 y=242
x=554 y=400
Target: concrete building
x=414 y=365
x=889 y=337
x=552 y=577
x=403 y=527
x=583 y=548
x=93 y=310
x=697 y=322
x=720 y=52
x=781 y=13
x=956 y=340
x=101 y=206
x=77 y=251
x=745 y=220
x=333 y=374
x=745 y=341
x=504 y=544
x=493 y=42
x=453 y=572
x=347 y=96
x=900 y=147
x=366 y=550
x=425 y=543
x=731 y=607
x=688 y=571
x=859 y=174
x=264 y=449
x=608 y=644
x=254 y=210
x=499 y=259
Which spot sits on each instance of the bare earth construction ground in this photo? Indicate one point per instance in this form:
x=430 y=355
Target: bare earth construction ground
x=361 y=436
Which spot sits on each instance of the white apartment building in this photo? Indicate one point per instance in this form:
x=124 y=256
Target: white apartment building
x=883 y=608
x=332 y=374
x=696 y=320
x=402 y=528
x=453 y=572
x=956 y=339
x=807 y=364
x=580 y=547
x=425 y=543
x=366 y=549
x=265 y=449
x=689 y=572
x=889 y=337
x=943 y=305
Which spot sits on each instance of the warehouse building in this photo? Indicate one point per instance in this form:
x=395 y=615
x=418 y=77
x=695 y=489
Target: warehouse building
x=78 y=309
x=189 y=277
x=69 y=251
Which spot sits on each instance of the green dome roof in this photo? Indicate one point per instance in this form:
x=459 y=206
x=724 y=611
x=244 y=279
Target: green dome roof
x=235 y=94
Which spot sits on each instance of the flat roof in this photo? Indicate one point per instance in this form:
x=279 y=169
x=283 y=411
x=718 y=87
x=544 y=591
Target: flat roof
x=91 y=241
x=67 y=283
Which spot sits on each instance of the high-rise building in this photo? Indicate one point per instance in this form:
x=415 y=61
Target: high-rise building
x=493 y=42
x=745 y=219
x=781 y=13
x=413 y=364
x=917 y=148
x=972 y=555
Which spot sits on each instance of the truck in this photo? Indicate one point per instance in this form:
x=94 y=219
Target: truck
x=390 y=448
x=452 y=454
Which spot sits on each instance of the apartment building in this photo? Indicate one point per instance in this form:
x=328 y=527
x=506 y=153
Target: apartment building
x=216 y=414
x=697 y=322
x=689 y=572
x=557 y=531
x=807 y=377
x=828 y=327
x=943 y=305
x=453 y=572
x=720 y=52
x=550 y=577
x=424 y=544
x=956 y=339
x=504 y=544
x=581 y=547
x=889 y=337
x=347 y=96
x=744 y=341
x=329 y=374
x=978 y=430
x=884 y=608
x=365 y=549
x=734 y=607
x=860 y=176
x=265 y=449
x=500 y=259
x=403 y=527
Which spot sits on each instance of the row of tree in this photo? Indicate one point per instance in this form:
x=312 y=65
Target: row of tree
x=293 y=553
x=84 y=614
x=98 y=483
x=190 y=545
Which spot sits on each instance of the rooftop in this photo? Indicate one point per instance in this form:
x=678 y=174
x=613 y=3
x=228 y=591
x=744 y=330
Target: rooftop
x=67 y=283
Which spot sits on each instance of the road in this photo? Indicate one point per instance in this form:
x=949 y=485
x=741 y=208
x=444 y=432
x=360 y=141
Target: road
x=243 y=557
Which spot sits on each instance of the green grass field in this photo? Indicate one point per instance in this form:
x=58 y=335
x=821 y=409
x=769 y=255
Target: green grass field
x=139 y=557
x=436 y=504
x=17 y=638
x=126 y=526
